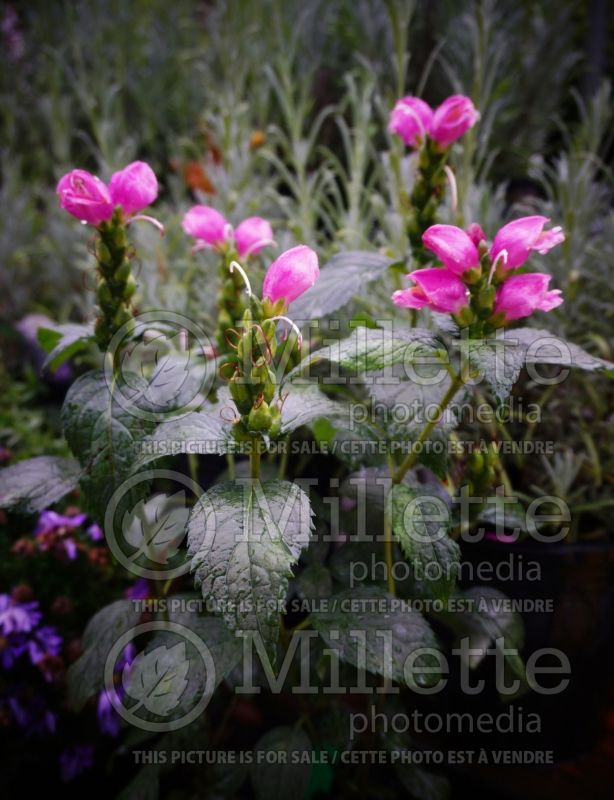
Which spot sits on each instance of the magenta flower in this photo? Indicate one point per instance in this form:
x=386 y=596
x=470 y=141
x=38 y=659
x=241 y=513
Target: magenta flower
x=437 y=289
x=291 y=274
x=134 y=187
x=207 y=226
x=521 y=295
x=476 y=234
x=253 y=235
x=515 y=241
x=452 y=119
x=411 y=120
x=85 y=196
x=453 y=247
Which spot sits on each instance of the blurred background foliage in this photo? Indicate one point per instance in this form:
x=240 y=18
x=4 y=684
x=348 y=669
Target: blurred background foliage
x=279 y=107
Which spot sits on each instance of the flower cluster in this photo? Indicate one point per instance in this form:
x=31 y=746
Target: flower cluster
x=90 y=200
x=58 y=534
x=22 y=634
x=480 y=285
x=253 y=382
x=212 y=230
x=415 y=121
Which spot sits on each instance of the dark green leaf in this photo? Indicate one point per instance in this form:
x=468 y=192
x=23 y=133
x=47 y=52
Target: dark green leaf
x=63 y=341
x=282 y=777
x=33 y=485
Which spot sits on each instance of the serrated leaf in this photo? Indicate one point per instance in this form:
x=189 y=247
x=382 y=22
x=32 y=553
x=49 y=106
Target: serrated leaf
x=156 y=678
x=344 y=276
x=156 y=527
x=500 y=359
x=487 y=620
x=304 y=404
x=86 y=676
x=435 y=557
x=286 y=777
x=63 y=341
x=244 y=538
x=371 y=349
x=385 y=624
x=102 y=434
x=33 y=485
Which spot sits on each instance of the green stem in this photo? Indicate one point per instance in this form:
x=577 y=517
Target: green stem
x=254 y=461
x=232 y=469
x=410 y=459
x=389 y=553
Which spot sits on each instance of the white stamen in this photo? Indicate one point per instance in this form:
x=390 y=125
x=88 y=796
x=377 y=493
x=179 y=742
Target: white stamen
x=453 y=189
x=502 y=256
x=293 y=325
x=145 y=218
x=235 y=265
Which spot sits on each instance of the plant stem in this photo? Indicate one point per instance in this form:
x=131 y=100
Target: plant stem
x=232 y=469
x=254 y=461
x=389 y=553
x=410 y=459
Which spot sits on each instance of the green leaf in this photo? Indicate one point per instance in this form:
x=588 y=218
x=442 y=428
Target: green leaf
x=435 y=557
x=385 y=622
x=486 y=620
x=304 y=404
x=244 y=537
x=86 y=676
x=284 y=778
x=156 y=527
x=63 y=341
x=103 y=435
x=345 y=275
x=33 y=485
x=500 y=360
x=370 y=349
x=315 y=582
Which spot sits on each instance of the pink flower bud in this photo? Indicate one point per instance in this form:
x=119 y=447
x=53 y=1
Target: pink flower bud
x=411 y=120
x=291 y=274
x=452 y=119
x=452 y=246
x=437 y=289
x=207 y=225
x=520 y=237
x=252 y=235
x=521 y=295
x=476 y=234
x=85 y=196
x=134 y=187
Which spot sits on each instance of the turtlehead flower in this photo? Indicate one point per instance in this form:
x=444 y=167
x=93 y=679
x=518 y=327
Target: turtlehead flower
x=252 y=236
x=515 y=241
x=452 y=119
x=212 y=230
x=90 y=200
x=476 y=234
x=85 y=196
x=452 y=246
x=520 y=295
x=291 y=274
x=411 y=119
x=207 y=226
x=438 y=289
x=134 y=187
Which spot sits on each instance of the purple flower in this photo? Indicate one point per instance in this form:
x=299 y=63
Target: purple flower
x=50 y=521
x=75 y=760
x=44 y=642
x=32 y=714
x=11 y=648
x=108 y=718
x=95 y=532
x=17 y=617
x=139 y=590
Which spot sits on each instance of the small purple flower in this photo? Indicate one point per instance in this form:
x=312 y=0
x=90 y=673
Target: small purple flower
x=44 y=642
x=75 y=760
x=11 y=648
x=108 y=718
x=17 y=617
x=32 y=715
x=51 y=521
x=95 y=532
x=139 y=590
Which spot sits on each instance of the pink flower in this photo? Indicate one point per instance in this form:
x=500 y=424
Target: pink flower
x=520 y=237
x=411 y=120
x=521 y=295
x=452 y=119
x=207 y=225
x=476 y=234
x=85 y=196
x=453 y=246
x=252 y=235
x=437 y=289
x=291 y=274
x=134 y=187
